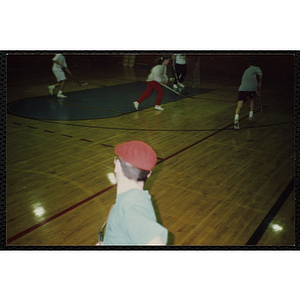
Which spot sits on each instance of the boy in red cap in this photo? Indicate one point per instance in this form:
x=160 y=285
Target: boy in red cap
x=132 y=220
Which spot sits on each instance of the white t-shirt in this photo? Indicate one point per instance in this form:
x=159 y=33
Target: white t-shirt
x=180 y=59
x=61 y=59
x=158 y=73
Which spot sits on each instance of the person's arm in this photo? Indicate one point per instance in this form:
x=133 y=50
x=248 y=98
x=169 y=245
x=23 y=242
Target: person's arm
x=156 y=74
x=58 y=63
x=165 y=79
x=157 y=241
x=66 y=68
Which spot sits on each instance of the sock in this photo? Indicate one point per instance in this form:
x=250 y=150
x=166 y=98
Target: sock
x=236 y=117
x=60 y=92
x=251 y=114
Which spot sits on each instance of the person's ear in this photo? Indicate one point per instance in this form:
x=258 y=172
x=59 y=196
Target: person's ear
x=117 y=164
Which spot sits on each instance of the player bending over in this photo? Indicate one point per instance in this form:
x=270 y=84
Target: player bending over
x=248 y=88
x=157 y=76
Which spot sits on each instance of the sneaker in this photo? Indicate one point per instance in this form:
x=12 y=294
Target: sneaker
x=51 y=88
x=61 y=96
x=158 y=107
x=175 y=86
x=180 y=85
x=251 y=118
x=136 y=105
x=236 y=125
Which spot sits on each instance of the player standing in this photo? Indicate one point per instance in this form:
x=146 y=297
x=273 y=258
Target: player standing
x=179 y=70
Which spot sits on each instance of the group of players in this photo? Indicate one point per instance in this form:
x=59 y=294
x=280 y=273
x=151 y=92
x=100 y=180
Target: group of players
x=132 y=219
x=249 y=88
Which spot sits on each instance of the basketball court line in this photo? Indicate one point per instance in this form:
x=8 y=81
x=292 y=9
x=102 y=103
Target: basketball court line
x=261 y=229
x=88 y=104
x=83 y=106
x=34 y=227
x=62 y=134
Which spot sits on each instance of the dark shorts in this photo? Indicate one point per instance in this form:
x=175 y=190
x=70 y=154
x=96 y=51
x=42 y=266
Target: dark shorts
x=243 y=96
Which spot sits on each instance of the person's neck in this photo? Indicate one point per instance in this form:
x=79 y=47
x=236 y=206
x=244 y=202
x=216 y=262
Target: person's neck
x=126 y=184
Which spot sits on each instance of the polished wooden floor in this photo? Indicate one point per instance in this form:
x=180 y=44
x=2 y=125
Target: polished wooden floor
x=212 y=186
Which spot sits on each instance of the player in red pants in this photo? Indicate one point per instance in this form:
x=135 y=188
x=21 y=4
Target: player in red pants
x=157 y=76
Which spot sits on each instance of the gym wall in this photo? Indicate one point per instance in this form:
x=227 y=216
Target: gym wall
x=274 y=65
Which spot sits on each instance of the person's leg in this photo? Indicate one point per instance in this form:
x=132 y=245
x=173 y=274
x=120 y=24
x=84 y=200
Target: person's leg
x=173 y=74
x=238 y=109
x=62 y=85
x=174 y=71
x=52 y=87
x=242 y=97
x=147 y=93
x=144 y=96
x=61 y=78
x=252 y=105
x=183 y=73
x=237 y=114
x=160 y=91
x=61 y=88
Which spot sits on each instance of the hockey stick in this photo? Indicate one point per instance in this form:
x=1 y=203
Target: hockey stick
x=261 y=109
x=172 y=90
x=81 y=84
x=100 y=232
x=101 y=229
x=182 y=95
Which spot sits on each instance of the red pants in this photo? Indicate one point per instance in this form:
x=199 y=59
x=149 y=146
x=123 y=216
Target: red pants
x=150 y=86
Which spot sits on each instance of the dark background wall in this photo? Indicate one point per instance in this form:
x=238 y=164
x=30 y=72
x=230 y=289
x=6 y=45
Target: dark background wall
x=278 y=66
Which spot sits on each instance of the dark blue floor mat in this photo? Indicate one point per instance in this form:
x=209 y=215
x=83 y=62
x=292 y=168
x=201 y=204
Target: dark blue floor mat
x=93 y=103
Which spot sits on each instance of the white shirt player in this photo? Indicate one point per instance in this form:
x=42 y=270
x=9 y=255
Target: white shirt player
x=61 y=59
x=180 y=59
x=159 y=74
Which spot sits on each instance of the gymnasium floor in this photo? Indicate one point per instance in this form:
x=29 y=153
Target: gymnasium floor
x=212 y=186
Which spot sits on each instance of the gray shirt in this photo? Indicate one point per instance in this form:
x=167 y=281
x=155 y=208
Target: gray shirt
x=249 y=80
x=132 y=221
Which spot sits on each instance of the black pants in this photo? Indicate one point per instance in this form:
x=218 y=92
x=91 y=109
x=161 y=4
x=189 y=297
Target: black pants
x=181 y=71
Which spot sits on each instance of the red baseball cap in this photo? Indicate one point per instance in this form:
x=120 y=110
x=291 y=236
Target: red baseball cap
x=138 y=154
